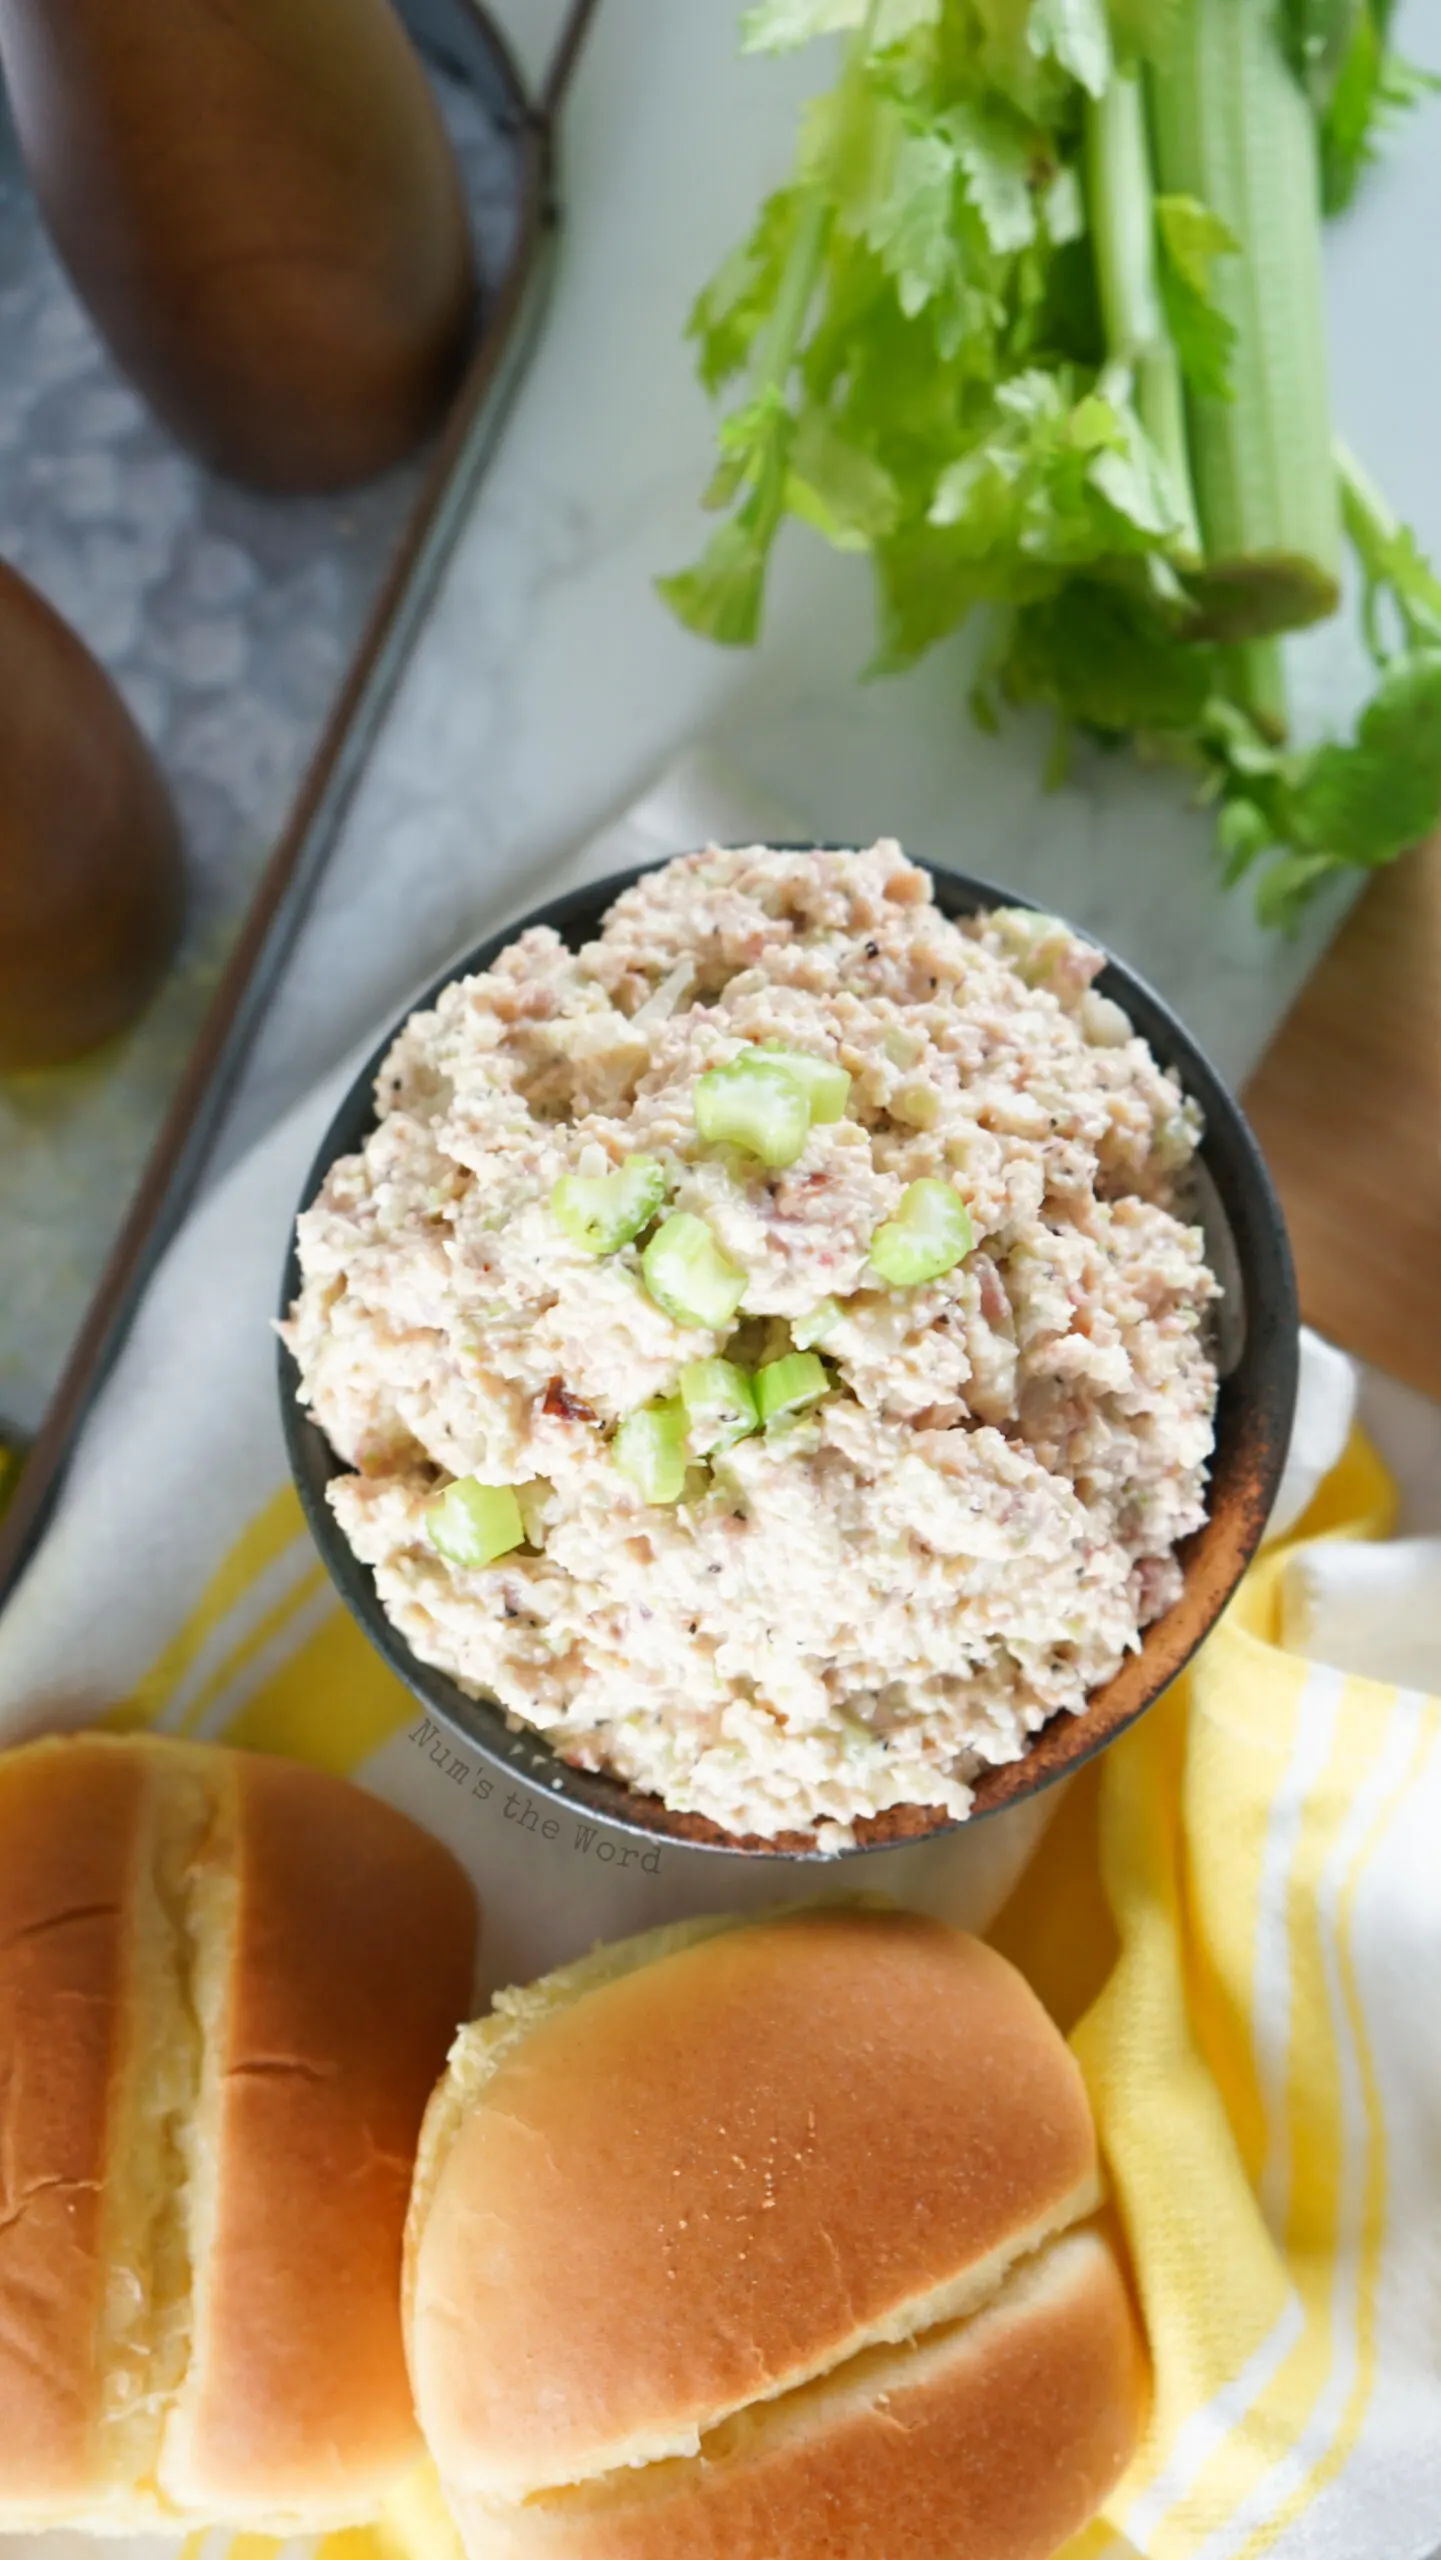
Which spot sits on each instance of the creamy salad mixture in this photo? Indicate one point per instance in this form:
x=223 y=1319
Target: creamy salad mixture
x=770 y=1344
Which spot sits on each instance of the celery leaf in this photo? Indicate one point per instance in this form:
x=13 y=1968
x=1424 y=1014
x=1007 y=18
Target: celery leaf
x=1348 y=804
x=782 y=26
x=833 y=485
x=1107 y=659
x=1366 y=801
x=721 y=596
x=1194 y=237
x=1057 y=481
x=1143 y=30
x=730 y=312
x=913 y=231
x=1191 y=238
x=849 y=141
x=994 y=156
x=1075 y=34
x=1394 y=570
x=1373 y=86
x=1319 y=35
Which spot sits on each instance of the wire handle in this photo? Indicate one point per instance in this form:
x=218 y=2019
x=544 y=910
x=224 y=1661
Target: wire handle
x=563 y=61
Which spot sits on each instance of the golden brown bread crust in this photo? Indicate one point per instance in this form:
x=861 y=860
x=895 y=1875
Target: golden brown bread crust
x=705 y=2182
x=66 y=1856
x=306 y=1951
x=353 y=1962
x=994 y=2441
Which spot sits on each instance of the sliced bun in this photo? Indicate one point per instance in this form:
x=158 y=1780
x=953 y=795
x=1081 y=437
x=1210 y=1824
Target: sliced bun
x=695 y=2220
x=995 y=2438
x=226 y=1987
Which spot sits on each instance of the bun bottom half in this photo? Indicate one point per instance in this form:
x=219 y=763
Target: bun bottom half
x=994 y=2439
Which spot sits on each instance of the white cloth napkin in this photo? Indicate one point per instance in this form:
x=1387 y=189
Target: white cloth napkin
x=1352 y=1604
x=1374 y=1610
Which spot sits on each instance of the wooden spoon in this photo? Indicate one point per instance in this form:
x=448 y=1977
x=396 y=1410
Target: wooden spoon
x=259 y=204
x=91 y=884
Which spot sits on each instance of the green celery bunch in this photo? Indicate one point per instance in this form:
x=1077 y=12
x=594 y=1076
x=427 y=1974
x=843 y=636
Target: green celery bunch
x=1037 y=325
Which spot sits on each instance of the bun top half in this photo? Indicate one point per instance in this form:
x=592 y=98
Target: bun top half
x=698 y=2171
x=227 y=1985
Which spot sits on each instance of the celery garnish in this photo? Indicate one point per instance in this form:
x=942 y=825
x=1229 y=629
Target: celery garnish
x=650 y=1451
x=720 y=1405
x=756 y=1103
x=815 y=1325
x=473 y=1523
x=603 y=1211
x=688 y=1275
x=827 y=1087
x=790 y=1385
x=930 y=1233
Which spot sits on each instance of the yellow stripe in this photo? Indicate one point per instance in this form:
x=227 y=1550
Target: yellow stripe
x=259 y=1545
x=1250 y=1707
x=415 y=2522
x=1096 y=2541
x=354 y=2542
x=1373 y=2211
x=265 y=1630
x=1276 y=2419
x=1188 y=2207
x=331 y=1704
x=1276 y=2422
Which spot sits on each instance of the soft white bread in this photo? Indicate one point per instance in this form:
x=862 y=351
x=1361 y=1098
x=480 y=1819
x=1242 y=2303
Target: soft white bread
x=750 y=2220
x=226 y=1987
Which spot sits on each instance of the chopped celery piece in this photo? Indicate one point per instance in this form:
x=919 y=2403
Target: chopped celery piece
x=473 y=1523
x=827 y=1088
x=720 y=1405
x=930 y=1233
x=650 y=1450
x=755 y=1103
x=602 y=1211
x=814 y=1326
x=688 y=1275
x=789 y=1385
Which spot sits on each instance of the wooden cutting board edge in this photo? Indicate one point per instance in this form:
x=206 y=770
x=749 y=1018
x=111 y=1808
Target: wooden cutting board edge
x=1346 y=1103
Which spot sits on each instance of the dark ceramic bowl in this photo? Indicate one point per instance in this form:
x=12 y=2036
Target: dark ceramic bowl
x=1257 y=1354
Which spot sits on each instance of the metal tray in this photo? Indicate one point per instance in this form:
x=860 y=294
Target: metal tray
x=257 y=640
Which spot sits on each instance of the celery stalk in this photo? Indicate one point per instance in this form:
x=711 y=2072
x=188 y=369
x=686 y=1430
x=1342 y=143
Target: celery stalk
x=1256 y=679
x=1231 y=125
x=1120 y=201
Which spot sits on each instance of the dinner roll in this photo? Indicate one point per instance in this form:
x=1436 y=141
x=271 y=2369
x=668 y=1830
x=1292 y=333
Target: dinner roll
x=226 y=1987
x=761 y=2239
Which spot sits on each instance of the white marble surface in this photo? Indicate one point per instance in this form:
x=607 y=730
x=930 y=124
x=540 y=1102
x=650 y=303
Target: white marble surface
x=550 y=681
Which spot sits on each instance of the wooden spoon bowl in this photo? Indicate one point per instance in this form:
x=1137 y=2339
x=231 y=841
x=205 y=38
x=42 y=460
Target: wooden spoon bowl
x=258 y=202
